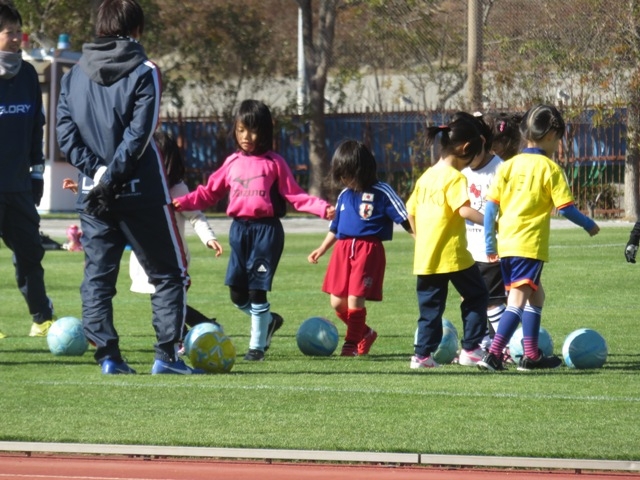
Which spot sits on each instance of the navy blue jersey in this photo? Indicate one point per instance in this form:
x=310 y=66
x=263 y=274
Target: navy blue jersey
x=21 y=124
x=369 y=213
x=112 y=123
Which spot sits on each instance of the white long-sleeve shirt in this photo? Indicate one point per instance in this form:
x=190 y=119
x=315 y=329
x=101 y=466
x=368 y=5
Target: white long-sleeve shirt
x=139 y=280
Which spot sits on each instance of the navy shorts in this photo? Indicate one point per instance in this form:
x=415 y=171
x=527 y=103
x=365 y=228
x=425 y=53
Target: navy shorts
x=517 y=271
x=256 y=248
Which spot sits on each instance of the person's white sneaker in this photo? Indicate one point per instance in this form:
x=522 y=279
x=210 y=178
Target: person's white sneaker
x=470 y=358
x=423 y=362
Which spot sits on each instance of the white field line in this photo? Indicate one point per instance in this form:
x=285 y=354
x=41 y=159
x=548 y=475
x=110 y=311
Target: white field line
x=323 y=389
x=591 y=245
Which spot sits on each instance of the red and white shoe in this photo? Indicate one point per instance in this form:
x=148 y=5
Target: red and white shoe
x=418 y=361
x=365 y=344
x=349 y=350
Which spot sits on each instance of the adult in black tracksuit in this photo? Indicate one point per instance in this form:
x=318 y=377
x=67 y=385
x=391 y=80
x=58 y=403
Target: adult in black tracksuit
x=21 y=168
x=107 y=114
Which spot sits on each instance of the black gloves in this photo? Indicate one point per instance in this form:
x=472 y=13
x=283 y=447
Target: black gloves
x=37 y=183
x=99 y=199
x=631 y=249
x=37 y=188
x=630 y=252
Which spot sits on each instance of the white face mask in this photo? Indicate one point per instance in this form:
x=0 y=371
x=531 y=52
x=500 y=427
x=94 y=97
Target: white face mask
x=10 y=64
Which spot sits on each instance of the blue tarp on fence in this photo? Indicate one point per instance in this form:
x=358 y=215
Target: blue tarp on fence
x=396 y=139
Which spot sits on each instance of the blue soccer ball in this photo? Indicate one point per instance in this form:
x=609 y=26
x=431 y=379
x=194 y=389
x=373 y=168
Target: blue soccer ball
x=317 y=337
x=196 y=331
x=66 y=337
x=516 y=348
x=585 y=348
x=447 y=350
x=447 y=324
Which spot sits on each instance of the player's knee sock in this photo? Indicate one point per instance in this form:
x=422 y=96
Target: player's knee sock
x=531 y=319
x=343 y=316
x=246 y=308
x=260 y=320
x=494 y=315
x=508 y=325
x=356 y=324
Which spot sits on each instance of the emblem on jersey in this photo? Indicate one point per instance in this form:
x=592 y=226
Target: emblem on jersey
x=367 y=197
x=246 y=181
x=366 y=210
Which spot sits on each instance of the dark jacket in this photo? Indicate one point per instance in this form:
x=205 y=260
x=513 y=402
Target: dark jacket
x=107 y=112
x=21 y=129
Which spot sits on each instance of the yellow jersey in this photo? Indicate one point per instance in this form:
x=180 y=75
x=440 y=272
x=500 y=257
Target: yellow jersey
x=441 y=241
x=526 y=188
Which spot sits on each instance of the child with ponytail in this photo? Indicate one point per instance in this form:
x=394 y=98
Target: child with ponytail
x=438 y=209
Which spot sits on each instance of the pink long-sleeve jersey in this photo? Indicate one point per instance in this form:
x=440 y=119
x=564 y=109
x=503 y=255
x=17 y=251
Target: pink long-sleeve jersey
x=256 y=185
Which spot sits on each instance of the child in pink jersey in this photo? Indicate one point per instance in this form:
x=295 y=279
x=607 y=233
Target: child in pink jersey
x=258 y=182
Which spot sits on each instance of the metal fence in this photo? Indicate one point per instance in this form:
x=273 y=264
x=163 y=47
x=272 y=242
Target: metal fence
x=592 y=153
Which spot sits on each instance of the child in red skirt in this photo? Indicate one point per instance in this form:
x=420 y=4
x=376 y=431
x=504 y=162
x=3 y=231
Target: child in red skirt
x=366 y=211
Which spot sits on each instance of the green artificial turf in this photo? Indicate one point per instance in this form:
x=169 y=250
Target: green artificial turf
x=372 y=403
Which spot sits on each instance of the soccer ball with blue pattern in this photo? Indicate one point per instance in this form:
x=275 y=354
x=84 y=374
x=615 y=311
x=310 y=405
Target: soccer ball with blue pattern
x=585 y=348
x=447 y=351
x=66 y=337
x=516 y=348
x=448 y=324
x=317 y=337
x=198 y=330
x=213 y=352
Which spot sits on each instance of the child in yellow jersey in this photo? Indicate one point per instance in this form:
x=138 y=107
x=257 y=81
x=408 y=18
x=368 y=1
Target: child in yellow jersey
x=438 y=208
x=502 y=141
x=524 y=191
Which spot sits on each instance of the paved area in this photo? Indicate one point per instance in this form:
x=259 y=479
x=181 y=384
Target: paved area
x=56 y=228
x=51 y=467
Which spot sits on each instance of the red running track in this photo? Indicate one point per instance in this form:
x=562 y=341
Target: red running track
x=56 y=467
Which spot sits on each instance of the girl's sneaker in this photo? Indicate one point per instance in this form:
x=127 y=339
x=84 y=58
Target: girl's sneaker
x=506 y=357
x=541 y=363
x=349 y=350
x=365 y=344
x=491 y=363
x=274 y=326
x=254 y=355
x=418 y=361
x=41 y=329
x=470 y=358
